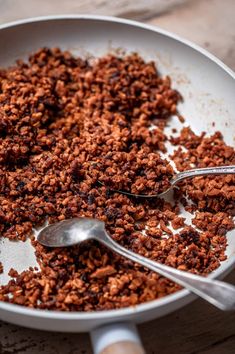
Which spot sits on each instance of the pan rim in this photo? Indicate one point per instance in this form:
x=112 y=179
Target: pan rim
x=147 y=306
x=120 y=20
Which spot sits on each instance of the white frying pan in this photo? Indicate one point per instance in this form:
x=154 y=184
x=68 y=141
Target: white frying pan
x=208 y=88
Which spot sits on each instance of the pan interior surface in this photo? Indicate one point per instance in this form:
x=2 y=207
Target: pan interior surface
x=208 y=91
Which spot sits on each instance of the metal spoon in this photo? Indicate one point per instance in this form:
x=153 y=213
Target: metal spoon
x=207 y=171
x=74 y=231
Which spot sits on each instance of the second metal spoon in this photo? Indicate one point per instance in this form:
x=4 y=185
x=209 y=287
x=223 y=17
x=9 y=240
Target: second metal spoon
x=207 y=171
x=74 y=231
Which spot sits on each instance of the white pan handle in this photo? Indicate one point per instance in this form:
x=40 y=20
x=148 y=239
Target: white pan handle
x=119 y=338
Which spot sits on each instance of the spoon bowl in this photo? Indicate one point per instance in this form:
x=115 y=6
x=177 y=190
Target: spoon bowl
x=70 y=232
x=207 y=171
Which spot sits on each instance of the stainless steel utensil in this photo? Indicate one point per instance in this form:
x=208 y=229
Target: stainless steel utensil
x=207 y=171
x=77 y=230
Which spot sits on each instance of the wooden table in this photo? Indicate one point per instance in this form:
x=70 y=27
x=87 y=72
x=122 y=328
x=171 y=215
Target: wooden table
x=197 y=328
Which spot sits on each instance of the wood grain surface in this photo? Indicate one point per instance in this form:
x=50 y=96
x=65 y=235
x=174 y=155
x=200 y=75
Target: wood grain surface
x=197 y=328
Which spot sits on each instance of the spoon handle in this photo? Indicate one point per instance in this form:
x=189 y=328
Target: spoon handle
x=218 y=293
x=207 y=171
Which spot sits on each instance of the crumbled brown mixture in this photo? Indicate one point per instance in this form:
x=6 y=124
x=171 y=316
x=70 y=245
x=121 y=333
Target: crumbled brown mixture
x=218 y=223
x=213 y=193
x=1 y=268
x=64 y=124
x=139 y=171
x=13 y=273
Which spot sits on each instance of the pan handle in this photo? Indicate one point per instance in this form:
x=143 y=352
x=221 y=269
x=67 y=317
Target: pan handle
x=118 y=338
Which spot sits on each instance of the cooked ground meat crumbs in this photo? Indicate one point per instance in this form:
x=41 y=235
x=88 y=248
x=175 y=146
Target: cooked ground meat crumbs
x=66 y=123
